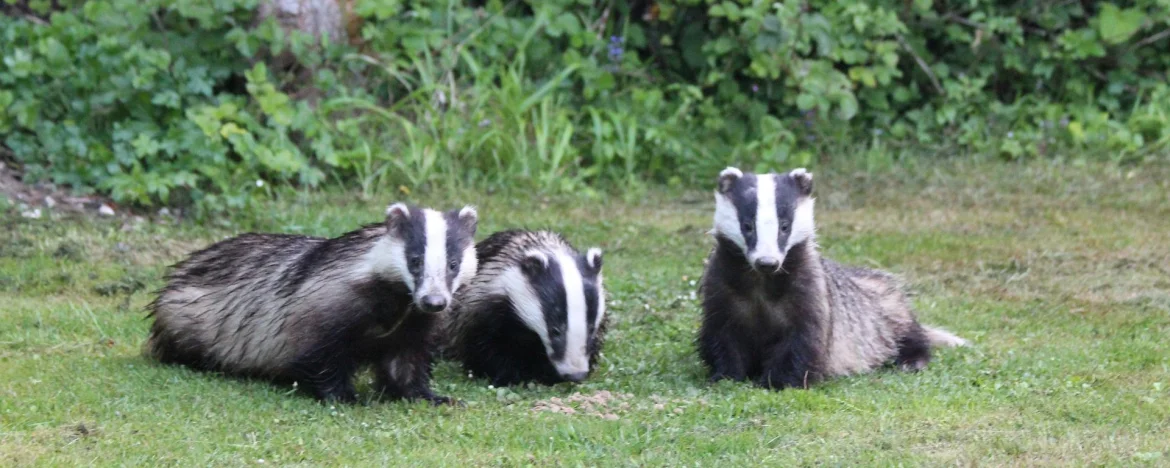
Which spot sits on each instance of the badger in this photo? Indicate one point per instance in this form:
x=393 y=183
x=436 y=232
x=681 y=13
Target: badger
x=312 y=311
x=535 y=311
x=777 y=313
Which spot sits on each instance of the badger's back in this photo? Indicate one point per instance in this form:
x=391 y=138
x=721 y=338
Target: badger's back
x=242 y=304
x=870 y=315
x=504 y=248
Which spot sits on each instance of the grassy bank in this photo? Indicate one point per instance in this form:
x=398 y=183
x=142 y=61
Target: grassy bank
x=1059 y=275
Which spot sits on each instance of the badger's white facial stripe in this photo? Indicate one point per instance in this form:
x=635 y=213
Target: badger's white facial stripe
x=600 y=303
x=525 y=302
x=727 y=220
x=434 y=280
x=576 y=358
x=767 y=222
x=803 y=227
x=467 y=268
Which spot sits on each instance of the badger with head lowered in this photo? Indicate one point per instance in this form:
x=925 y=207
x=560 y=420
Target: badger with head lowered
x=312 y=310
x=777 y=313
x=535 y=311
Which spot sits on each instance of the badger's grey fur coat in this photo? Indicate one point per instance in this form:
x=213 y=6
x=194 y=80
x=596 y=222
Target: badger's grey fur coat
x=312 y=310
x=783 y=316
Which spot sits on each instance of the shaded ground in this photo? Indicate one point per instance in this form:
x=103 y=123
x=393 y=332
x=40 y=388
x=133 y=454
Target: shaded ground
x=1060 y=275
x=44 y=200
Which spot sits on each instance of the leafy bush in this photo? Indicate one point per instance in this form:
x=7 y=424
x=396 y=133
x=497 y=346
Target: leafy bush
x=171 y=102
x=130 y=98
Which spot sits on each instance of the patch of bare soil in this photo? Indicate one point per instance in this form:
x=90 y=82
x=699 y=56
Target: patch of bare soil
x=603 y=404
x=608 y=405
x=39 y=200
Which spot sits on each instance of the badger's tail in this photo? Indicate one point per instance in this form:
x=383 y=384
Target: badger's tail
x=939 y=337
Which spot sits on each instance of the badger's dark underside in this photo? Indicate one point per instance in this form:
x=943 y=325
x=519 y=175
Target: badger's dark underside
x=383 y=330
x=504 y=350
x=741 y=340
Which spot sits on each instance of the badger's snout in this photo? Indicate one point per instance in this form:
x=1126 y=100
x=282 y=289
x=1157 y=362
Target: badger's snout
x=575 y=369
x=767 y=264
x=433 y=303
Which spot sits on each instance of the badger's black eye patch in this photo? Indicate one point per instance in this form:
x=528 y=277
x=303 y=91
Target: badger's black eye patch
x=453 y=264
x=748 y=227
x=414 y=262
x=784 y=227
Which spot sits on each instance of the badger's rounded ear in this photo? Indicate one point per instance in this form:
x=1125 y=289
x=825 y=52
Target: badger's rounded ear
x=728 y=177
x=534 y=263
x=397 y=214
x=469 y=217
x=804 y=180
x=593 y=259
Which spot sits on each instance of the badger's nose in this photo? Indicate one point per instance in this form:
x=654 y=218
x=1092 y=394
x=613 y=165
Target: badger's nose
x=433 y=303
x=767 y=263
x=575 y=377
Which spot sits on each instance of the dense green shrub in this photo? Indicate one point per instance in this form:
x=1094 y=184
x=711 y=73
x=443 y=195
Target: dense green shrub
x=170 y=102
x=121 y=96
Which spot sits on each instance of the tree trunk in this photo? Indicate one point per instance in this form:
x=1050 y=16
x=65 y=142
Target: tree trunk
x=319 y=18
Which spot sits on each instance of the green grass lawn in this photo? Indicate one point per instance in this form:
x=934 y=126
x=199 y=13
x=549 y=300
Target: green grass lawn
x=1058 y=274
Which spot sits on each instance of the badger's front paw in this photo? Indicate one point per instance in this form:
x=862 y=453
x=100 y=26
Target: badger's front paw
x=780 y=380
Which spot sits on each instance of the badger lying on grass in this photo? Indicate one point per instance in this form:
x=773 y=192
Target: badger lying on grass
x=312 y=310
x=534 y=312
x=777 y=313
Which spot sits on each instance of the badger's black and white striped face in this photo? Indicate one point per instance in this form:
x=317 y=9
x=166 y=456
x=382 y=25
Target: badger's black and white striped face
x=559 y=297
x=764 y=215
x=432 y=252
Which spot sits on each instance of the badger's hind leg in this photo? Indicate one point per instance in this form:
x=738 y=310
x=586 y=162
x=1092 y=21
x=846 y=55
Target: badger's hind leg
x=913 y=349
x=164 y=349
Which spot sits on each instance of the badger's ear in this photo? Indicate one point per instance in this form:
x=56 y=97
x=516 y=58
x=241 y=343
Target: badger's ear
x=469 y=217
x=397 y=215
x=534 y=263
x=804 y=180
x=727 y=178
x=593 y=259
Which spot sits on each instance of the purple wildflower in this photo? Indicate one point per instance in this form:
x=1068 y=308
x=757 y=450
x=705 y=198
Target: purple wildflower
x=615 y=48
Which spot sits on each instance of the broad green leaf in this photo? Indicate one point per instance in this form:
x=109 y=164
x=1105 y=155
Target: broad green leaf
x=1116 y=25
x=806 y=101
x=848 y=108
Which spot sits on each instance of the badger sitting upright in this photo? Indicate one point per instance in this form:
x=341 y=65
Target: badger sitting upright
x=777 y=313
x=311 y=310
x=535 y=311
